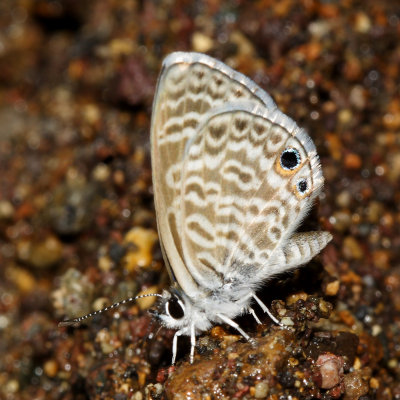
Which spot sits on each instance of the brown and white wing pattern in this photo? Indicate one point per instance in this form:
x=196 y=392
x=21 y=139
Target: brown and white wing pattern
x=249 y=177
x=190 y=85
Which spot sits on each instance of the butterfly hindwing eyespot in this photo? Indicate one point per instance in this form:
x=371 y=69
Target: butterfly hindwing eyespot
x=302 y=188
x=289 y=161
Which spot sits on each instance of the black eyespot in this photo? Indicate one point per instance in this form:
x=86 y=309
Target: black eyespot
x=174 y=308
x=290 y=159
x=302 y=186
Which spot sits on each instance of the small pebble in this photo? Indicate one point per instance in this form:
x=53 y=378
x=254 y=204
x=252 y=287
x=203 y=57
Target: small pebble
x=40 y=254
x=358 y=97
x=100 y=303
x=107 y=343
x=139 y=242
x=201 y=42
x=324 y=306
x=12 y=386
x=352 y=161
x=50 y=368
x=101 y=172
x=105 y=263
x=345 y=116
x=381 y=259
x=332 y=288
x=119 y=178
x=292 y=299
x=344 y=198
x=6 y=210
x=137 y=396
x=261 y=390
x=22 y=278
x=347 y=318
x=147 y=302
x=352 y=249
x=354 y=386
x=374 y=383
x=341 y=220
x=331 y=369
x=154 y=390
x=374 y=211
x=91 y=113
x=357 y=364
x=287 y=321
x=362 y=22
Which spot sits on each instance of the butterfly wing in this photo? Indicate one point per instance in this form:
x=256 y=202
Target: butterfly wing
x=190 y=85
x=250 y=175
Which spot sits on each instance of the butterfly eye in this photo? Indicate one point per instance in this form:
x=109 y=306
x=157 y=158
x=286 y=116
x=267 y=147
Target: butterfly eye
x=175 y=308
x=290 y=159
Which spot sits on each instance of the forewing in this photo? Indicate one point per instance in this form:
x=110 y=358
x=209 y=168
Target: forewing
x=240 y=204
x=190 y=85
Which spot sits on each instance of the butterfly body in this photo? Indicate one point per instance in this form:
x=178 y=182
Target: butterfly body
x=203 y=312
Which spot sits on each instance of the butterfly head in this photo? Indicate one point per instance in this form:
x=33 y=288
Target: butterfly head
x=177 y=311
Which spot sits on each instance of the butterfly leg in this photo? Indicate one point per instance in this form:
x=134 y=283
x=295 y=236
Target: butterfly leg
x=175 y=346
x=266 y=309
x=234 y=325
x=252 y=312
x=192 y=343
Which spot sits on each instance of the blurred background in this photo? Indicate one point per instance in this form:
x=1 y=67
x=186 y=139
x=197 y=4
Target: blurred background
x=77 y=224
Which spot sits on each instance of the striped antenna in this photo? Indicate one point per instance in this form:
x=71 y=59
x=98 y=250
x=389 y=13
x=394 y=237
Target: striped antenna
x=76 y=321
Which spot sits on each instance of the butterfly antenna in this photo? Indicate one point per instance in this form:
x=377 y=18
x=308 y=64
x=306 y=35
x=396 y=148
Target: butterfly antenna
x=77 y=321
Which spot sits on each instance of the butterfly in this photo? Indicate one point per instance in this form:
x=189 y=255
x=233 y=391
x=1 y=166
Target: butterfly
x=233 y=178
